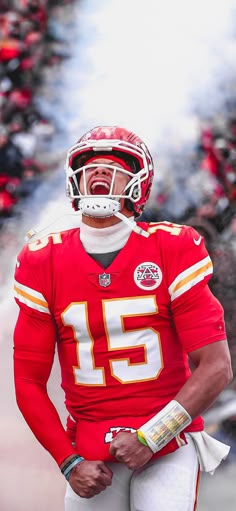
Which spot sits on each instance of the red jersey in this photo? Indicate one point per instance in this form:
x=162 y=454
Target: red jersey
x=123 y=333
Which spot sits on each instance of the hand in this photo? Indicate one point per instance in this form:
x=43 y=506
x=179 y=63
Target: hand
x=89 y=478
x=129 y=450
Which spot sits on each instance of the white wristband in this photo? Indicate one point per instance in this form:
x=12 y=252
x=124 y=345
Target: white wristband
x=165 y=426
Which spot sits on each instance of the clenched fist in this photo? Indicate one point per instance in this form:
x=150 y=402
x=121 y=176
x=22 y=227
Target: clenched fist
x=89 y=478
x=127 y=449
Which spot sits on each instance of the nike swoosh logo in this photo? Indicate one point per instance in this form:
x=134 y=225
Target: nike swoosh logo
x=198 y=241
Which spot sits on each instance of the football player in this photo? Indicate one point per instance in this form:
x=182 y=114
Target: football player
x=128 y=306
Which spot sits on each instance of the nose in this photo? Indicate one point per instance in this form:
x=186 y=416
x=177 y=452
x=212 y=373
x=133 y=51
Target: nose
x=103 y=170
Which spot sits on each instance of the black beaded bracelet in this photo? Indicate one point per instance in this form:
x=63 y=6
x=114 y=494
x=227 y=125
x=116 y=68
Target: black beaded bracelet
x=67 y=469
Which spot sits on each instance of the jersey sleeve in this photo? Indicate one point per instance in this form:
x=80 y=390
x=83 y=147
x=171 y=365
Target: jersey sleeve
x=197 y=314
x=35 y=338
x=31 y=286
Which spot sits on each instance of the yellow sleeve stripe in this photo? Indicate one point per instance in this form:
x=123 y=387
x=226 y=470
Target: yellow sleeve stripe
x=193 y=276
x=190 y=277
x=31 y=298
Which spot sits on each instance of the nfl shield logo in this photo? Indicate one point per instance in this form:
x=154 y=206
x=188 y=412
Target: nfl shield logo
x=104 y=279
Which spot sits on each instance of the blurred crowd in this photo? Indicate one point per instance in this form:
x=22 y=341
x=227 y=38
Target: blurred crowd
x=29 y=43
x=216 y=175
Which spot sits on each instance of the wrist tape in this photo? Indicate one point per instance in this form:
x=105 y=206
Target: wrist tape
x=67 y=469
x=164 y=426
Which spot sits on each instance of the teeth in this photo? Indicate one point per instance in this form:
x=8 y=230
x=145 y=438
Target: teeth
x=100 y=183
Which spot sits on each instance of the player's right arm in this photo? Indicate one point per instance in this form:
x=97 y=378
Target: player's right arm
x=34 y=347
x=33 y=358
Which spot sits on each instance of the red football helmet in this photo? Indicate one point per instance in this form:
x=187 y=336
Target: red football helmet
x=122 y=145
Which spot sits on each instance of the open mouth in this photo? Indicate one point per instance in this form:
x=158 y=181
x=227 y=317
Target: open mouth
x=100 y=188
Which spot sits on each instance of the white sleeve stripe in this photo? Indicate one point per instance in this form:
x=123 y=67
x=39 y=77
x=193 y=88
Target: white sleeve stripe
x=29 y=291
x=188 y=272
x=32 y=305
x=194 y=274
x=31 y=298
x=190 y=284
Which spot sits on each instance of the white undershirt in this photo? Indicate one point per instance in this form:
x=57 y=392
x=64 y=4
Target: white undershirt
x=107 y=239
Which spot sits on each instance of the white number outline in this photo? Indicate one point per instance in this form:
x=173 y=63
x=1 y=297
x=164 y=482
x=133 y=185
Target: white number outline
x=84 y=350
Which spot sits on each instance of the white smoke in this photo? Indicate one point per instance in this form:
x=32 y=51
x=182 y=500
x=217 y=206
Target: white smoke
x=146 y=64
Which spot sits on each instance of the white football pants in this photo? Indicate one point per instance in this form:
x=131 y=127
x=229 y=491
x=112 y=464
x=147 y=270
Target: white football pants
x=165 y=484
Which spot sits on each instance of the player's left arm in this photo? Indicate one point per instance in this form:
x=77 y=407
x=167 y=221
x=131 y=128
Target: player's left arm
x=199 y=320
x=212 y=373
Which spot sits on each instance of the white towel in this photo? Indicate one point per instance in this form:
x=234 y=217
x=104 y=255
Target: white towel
x=210 y=451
